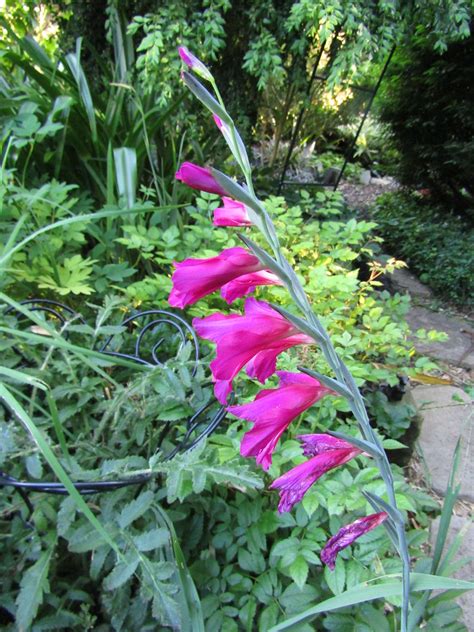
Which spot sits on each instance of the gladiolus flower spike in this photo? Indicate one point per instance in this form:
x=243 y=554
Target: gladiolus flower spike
x=346 y=536
x=273 y=410
x=254 y=341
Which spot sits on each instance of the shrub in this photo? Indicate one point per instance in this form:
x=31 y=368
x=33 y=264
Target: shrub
x=437 y=245
x=429 y=105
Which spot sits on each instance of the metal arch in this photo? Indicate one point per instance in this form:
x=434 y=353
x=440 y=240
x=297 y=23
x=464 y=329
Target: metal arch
x=46 y=305
x=183 y=328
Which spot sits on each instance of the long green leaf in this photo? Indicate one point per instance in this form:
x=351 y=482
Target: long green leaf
x=334 y=385
x=79 y=351
x=367 y=592
x=23 y=378
x=17 y=409
x=205 y=97
x=74 y=63
x=450 y=497
x=125 y=159
x=300 y=323
x=193 y=621
x=86 y=217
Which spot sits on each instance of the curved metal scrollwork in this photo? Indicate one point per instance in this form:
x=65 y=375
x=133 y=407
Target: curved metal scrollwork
x=155 y=322
x=137 y=343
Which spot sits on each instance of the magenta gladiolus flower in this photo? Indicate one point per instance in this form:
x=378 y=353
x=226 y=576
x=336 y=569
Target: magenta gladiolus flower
x=314 y=444
x=273 y=410
x=255 y=340
x=235 y=270
x=246 y=284
x=233 y=213
x=346 y=536
x=295 y=483
x=198 y=178
x=194 y=63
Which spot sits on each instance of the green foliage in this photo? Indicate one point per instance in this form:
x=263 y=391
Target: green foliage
x=429 y=107
x=264 y=51
x=438 y=246
x=248 y=563
x=104 y=135
x=157 y=63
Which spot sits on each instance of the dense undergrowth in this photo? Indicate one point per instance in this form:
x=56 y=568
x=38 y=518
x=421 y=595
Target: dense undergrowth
x=438 y=246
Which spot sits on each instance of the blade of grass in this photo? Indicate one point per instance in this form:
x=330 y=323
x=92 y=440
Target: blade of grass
x=86 y=217
x=74 y=62
x=24 y=378
x=125 y=159
x=366 y=592
x=58 y=428
x=55 y=465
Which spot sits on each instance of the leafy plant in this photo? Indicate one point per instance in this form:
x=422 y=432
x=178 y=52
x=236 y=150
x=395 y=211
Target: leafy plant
x=93 y=134
x=428 y=107
x=438 y=246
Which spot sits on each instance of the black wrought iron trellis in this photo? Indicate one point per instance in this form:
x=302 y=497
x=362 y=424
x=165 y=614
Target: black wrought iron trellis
x=348 y=154
x=200 y=425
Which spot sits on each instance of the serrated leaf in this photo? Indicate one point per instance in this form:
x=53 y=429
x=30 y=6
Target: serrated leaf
x=85 y=538
x=34 y=466
x=33 y=585
x=151 y=539
x=336 y=579
x=199 y=479
x=97 y=560
x=135 y=509
x=120 y=574
x=66 y=515
x=298 y=571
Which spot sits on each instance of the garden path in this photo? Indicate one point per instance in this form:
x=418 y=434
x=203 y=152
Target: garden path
x=446 y=410
x=447 y=414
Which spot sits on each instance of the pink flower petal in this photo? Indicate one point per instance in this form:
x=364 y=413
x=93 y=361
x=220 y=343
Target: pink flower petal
x=199 y=178
x=272 y=411
x=247 y=283
x=314 y=444
x=240 y=338
x=195 y=278
x=233 y=213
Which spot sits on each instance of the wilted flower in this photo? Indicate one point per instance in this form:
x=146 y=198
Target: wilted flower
x=254 y=340
x=273 y=410
x=233 y=213
x=198 y=178
x=235 y=270
x=346 y=536
x=194 y=63
x=295 y=483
